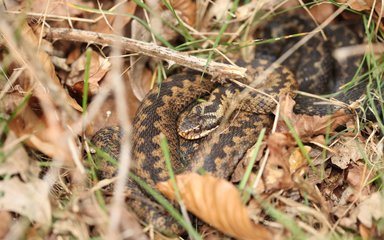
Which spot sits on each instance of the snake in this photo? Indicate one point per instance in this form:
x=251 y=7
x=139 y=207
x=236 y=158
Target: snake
x=172 y=111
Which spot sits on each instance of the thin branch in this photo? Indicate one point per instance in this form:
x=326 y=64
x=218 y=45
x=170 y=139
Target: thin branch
x=221 y=70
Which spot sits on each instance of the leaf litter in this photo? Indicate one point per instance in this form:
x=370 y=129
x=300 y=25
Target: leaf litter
x=324 y=185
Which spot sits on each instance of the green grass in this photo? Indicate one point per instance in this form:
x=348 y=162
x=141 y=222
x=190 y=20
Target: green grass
x=88 y=57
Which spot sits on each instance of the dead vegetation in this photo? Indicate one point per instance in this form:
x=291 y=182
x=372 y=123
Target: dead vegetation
x=67 y=70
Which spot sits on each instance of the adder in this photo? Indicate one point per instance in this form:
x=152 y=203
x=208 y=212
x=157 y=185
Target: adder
x=310 y=68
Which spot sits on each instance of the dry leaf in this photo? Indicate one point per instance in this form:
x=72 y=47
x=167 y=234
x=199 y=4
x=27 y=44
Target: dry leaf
x=53 y=7
x=27 y=123
x=16 y=158
x=309 y=126
x=203 y=196
x=26 y=198
x=106 y=24
x=216 y=13
x=357 y=177
x=5 y=223
x=322 y=11
x=366 y=233
x=297 y=159
x=346 y=151
x=277 y=174
x=359 y=5
x=187 y=10
x=98 y=68
x=371 y=209
x=346 y=218
x=44 y=58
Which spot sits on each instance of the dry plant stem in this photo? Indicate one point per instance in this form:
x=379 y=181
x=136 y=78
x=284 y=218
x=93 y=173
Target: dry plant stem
x=173 y=57
x=350 y=51
x=125 y=151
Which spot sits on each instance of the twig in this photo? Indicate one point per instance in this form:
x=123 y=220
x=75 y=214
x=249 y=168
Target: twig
x=215 y=69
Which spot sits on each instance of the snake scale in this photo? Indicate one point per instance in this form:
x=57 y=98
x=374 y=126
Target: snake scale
x=218 y=154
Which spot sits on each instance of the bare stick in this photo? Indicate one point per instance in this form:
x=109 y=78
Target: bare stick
x=215 y=69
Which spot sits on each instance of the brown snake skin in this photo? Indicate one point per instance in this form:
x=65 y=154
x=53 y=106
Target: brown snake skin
x=159 y=112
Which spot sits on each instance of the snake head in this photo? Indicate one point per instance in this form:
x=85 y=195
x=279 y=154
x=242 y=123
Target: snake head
x=197 y=123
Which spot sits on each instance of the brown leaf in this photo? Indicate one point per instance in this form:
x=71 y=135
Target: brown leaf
x=346 y=151
x=297 y=159
x=309 y=126
x=106 y=24
x=54 y=7
x=44 y=58
x=371 y=209
x=98 y=68
x=357 y=177
x=277 y=174
x=203 y=196
x=38 y=135
x=187 y=10
x=322 y=11
x=359 y=5
x=5 y=223
x=26 y=198
x=17 y=160
x=216 y=14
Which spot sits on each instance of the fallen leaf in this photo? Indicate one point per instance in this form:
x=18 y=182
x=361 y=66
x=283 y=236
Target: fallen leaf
x=46 y=62
x=297 y=159
x=203 y=196
x=366 y=233
x=345 y=151
x=105 y=25
x=358 y=5
x=29 y=199
x=371 y=209
x=307 y=126
x=357 y=177
x=216 y=14
x=322 y=11
x=277 y=174
x=97 y=70
x=16 y=159
x=32 y=127
x=53 y=7
x=346 y=218
x=5 y=223
x=186 y=10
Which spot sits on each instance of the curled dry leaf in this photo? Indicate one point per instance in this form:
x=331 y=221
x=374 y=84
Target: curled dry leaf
x=48 y=66
x=308 y=126
x=277 y=173
x=98 y=68
x=346 y=151
x=217 y=202
x=297 y=159
x=29 y=199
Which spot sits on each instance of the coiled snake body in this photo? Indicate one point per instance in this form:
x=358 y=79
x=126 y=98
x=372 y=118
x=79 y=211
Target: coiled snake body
x=219 y=154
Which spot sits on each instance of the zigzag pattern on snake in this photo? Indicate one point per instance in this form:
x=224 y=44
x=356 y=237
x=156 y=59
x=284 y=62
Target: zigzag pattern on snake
x=160 y=110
